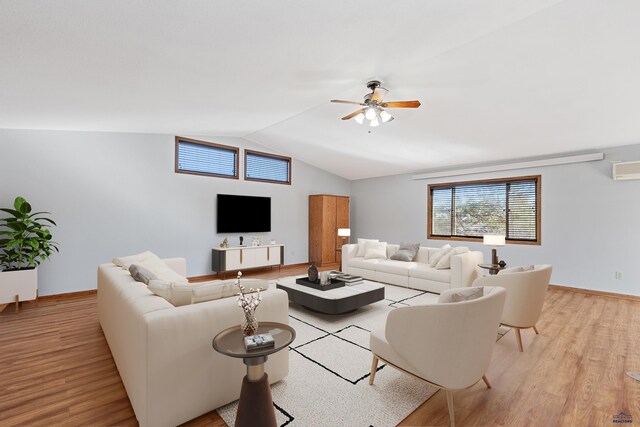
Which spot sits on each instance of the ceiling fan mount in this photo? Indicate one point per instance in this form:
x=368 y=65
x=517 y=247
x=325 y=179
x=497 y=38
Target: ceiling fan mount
x=373 y=84
x=374 y=106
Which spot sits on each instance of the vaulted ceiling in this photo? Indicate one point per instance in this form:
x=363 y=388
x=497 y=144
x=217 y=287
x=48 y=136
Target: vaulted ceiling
x=498 y=79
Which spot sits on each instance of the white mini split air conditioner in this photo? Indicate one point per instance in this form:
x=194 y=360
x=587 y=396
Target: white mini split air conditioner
x=626 y=170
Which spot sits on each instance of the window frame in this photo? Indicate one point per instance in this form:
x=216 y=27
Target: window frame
x=537 y=178
x=236 y=150
x=270 y=155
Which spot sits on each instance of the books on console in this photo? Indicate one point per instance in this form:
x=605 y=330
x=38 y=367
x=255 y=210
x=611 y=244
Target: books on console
x=348 y=279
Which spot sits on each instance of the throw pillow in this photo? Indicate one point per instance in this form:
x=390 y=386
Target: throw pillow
x=141 y=274
x=518 y=269
x=439 y=254
x=161 y=270
x=467 y=294
x=376 y=250
x=126 y=261
x=445 y=261
x=178 y=293
x=362 y=246
x=214 y=290
x=407 y=252
x=183 y=293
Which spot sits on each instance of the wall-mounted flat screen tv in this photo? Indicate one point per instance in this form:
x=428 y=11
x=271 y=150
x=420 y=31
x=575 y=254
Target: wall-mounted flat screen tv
x=243 y=214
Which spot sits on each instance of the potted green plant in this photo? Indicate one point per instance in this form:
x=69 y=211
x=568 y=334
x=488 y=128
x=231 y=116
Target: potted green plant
x=25 y=241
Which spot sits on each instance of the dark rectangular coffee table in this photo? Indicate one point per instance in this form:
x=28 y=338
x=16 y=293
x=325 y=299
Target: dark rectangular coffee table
x=333 y=301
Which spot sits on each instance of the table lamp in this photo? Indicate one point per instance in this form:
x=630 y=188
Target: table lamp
x=344 y=233
x=495 y=241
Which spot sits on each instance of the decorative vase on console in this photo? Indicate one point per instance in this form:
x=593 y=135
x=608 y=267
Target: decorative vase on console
x=313 y=272
x=248 y=302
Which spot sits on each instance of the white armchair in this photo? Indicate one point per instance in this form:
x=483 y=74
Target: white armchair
x=526 y=292
x=448 y=344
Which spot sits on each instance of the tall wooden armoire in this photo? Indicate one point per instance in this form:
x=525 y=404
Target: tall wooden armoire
x=327 y=213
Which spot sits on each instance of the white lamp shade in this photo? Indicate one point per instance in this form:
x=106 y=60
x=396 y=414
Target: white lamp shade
x=370 y=113
x=493 y=240
x=385 y=117
x=344 y=232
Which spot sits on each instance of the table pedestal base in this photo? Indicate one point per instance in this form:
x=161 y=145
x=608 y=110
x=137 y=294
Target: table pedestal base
x=255 y=408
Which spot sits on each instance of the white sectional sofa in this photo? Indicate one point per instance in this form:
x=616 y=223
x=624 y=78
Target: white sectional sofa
x=164 y=354
x=417 y=274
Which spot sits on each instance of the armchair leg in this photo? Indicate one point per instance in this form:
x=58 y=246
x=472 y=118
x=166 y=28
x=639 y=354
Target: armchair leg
x=519 y=338
x=535 y=330
x=486 y=381
x=374 y=368
x=449 y=393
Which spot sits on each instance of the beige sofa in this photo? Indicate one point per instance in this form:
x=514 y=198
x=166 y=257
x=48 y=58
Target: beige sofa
x=416 y=274
x=164 y=354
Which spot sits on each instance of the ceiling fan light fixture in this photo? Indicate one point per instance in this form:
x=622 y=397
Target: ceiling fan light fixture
x=359 y=118
x=370 y=114
x=374 y=122
x=385 y=117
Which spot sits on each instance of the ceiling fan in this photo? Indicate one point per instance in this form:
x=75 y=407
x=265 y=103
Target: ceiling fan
x=374 y=107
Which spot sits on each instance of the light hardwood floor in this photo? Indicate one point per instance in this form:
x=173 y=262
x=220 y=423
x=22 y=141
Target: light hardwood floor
x=56 y=369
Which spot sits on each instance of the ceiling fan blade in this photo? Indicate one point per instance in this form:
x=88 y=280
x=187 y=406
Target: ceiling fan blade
x=338 y=101
x=355 y=113
x=378 y=94
x=401 y=104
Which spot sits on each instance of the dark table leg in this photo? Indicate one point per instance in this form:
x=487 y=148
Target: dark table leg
x=255 y=408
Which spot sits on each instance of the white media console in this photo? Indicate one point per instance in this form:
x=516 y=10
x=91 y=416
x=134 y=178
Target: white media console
x=246 y=257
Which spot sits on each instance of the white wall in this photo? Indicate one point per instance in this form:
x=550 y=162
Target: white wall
x=590 y=223
x=115 y=194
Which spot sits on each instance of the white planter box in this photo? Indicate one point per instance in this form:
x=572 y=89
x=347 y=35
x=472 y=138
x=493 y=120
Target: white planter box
x=23 y=283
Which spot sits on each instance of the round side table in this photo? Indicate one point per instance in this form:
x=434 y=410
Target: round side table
x=255 y=407
x=493 y=268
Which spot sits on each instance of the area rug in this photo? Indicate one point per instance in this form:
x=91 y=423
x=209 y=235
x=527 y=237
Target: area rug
x=329 y=364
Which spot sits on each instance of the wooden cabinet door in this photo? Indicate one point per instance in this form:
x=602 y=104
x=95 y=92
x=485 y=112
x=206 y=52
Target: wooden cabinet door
x=342 y=221
x=315 y=228
x=329 y=229
x=260 y=256
x=274 y=255
x=232 y=260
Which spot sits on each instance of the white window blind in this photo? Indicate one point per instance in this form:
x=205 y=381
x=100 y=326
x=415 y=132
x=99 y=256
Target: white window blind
x=471 y=210
x=269 y=168
x=209 y=159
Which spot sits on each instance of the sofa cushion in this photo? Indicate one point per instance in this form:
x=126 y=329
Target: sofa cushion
x=445 y=261
x=141 y=274
x=395 y=267
x=407 y=252
x=366 y=264
x=376 y=250
x=438 y=254
x=424 y=271
x=362 y=245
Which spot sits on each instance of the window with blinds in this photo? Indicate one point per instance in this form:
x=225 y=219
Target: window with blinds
x=266 y=167
x=469 y=210
x=206 y=158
